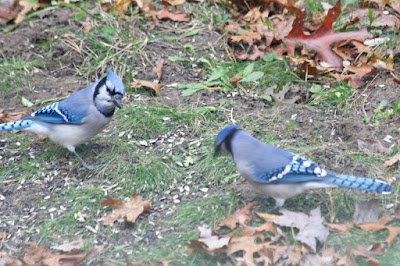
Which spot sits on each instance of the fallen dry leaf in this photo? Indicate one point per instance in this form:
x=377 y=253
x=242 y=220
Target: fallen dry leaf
x=209 y=240
x=175 y=15
x=39 y=256
x=280 y=95
x=143 y=262
x=26 y=7
x=257 y=54
x=234 y=80
x=266 y=216
x=144 y=83
x=175 y=2
x=310 y=226
x=255 y=247
x=239 y=217
x=372 y=261
x=7 y=10
x=129 y=210
x=393 y=231
x=10 y=117
x=392 y=160
x=8 y=261
x=382 y=64
x=321 y=39
x=158 y=68
x=86 y=26
x=67 y=247
x=341 y=228
x=250 y=246
x=372 y=146
x=375 y=249
x=247 y=37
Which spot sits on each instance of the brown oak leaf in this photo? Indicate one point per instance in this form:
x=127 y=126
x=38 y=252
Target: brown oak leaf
x=175 y=15
x=129 y=210
x=321 y=39
x=144 y=83
x=239 y=217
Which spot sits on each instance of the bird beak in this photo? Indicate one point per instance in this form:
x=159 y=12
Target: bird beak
x=117 y=100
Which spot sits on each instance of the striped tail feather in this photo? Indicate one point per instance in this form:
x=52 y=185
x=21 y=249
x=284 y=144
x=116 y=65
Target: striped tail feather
x=360 y=183
x=15 y=125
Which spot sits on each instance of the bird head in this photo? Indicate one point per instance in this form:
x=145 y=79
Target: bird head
x=223 y=139
x=115 y=88
x=109 y=91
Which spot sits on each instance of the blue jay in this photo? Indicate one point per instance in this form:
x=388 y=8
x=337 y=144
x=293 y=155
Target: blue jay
x=77 y=118
x=281 y=174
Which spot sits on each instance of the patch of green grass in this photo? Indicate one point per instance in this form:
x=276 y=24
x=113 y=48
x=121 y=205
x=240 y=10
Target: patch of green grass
x=183 y=222
x=339 y=94
x=81 y=207
x=16 y=72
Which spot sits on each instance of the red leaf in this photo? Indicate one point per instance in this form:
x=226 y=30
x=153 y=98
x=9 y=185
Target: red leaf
x=321 y=39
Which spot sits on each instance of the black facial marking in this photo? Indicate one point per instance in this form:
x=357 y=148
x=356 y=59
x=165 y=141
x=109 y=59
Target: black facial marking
x=228 y=141
x=98 y=86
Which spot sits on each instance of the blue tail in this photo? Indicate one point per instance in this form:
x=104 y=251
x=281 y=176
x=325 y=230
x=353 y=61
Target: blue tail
x=15 y=125
x=360 y=183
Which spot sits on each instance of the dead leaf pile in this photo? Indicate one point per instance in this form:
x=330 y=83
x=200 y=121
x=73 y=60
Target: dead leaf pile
x=314 y=47
x=41 y=256
x=147 y=8
x=10 y=117
x=129 y=210
x=265 y=244
x=16 y=10
x=369 y=211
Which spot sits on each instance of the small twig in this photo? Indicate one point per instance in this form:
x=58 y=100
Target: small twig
x=8 y=181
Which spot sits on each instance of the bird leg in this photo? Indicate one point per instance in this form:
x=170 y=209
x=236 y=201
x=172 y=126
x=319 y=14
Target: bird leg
x=278 y=203
x=90 y=167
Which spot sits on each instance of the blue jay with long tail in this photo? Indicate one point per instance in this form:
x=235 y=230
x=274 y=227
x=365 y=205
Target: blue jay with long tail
x=77 y=118
x=281 y=174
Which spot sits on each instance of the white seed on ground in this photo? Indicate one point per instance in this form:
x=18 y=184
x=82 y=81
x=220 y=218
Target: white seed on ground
x=204 y=189
x=390 y=205
x=91 y=229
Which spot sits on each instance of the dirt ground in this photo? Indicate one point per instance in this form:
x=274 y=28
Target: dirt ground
x=343 y=129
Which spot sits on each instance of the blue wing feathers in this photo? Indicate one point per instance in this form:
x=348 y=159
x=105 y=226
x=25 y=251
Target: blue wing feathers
x=72 y=110
x=53 y=113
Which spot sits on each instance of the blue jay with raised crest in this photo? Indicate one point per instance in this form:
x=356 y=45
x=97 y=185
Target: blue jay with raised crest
x=77 y=118
x=281 y=174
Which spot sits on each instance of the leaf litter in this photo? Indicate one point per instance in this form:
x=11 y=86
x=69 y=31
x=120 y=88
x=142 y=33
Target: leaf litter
x=128 y=210
x=271 y=245
x=264 y=26
x=41 y=256
x=266 y=243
